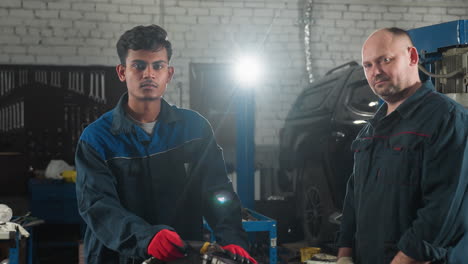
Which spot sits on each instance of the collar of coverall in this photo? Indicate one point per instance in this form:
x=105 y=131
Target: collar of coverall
x=406 y=109
x=122 y=124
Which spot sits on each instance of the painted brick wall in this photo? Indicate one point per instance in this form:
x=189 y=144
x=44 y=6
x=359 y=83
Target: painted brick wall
x=340 y=27
x=85 y=32
x=68 y=32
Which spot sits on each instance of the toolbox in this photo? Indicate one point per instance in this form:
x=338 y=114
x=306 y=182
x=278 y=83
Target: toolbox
x=54 y=201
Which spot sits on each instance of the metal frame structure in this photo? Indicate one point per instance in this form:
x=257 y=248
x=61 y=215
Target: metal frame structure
x=261 y=224
x=447 y=34
x=264 y=223
x=14 y=252
x=245 y=147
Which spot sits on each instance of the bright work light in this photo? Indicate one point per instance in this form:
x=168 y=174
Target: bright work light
x=247 y=71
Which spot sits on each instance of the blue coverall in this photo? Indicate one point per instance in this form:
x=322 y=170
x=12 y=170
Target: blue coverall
x=130 y=185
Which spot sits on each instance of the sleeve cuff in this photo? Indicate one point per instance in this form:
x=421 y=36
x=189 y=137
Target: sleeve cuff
x=419 y=249
x=344 y=241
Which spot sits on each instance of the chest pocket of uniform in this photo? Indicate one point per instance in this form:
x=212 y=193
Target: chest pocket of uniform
x=362 y=153
x=177 y=165
x=403 y=166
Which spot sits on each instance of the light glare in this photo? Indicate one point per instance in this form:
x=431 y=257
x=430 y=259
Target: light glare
x=221 y=199
x=358 y=122
x=247 y=71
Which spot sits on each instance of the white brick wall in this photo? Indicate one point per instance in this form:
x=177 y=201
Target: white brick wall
x=361 y=17
x=85 y=32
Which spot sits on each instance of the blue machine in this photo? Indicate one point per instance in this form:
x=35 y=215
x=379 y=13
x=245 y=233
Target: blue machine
x=431 y=38
x=443 y=51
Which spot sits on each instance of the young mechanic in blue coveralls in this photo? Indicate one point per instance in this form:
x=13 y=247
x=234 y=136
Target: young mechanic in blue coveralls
x=406 y=199
x=148 y=172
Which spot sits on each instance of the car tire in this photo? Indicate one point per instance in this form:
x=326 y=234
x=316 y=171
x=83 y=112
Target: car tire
x=315 y=205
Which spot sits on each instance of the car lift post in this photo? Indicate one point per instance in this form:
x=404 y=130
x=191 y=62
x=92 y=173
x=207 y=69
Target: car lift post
x=245 y=146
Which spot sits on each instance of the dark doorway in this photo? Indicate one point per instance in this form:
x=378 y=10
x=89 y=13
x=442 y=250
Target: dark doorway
x=212 y=94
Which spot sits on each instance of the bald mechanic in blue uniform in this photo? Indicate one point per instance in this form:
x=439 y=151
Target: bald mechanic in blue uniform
x=406 y=199
x=148 y=172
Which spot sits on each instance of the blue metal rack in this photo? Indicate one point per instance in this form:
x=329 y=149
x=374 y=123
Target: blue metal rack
x=245 y=147
x=262 y=224
x=14 y=252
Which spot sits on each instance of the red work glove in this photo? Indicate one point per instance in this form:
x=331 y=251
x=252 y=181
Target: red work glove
x=166 y=245
x=239 y=252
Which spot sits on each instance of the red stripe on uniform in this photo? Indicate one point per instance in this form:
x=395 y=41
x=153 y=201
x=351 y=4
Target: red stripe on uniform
x=397 y=134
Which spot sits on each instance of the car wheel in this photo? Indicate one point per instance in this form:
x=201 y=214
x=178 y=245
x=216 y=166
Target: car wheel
x=316 y=205
x=312 y=213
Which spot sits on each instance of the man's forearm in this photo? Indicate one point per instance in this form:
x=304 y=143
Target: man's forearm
x=345 y=252
x=402 y=258
x=345 y=255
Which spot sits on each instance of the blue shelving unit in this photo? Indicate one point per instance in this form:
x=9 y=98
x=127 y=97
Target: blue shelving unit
x=262 y=224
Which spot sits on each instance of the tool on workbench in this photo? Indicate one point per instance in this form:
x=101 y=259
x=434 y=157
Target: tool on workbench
x=199 y=252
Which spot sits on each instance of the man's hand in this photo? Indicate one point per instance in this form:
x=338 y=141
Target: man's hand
x=345 y=260
x=402 y=258
x=166 y=245
x=344 y=256
x=239 y=253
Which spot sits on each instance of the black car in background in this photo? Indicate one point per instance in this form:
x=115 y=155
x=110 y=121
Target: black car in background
x=315 y=158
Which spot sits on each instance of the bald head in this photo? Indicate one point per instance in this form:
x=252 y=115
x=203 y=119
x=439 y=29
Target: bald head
x=395 y=37
x=390 y=63
x=398 y=33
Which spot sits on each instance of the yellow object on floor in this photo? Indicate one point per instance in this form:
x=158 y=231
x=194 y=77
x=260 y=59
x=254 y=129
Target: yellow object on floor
x=308 y=252
x=69 y=175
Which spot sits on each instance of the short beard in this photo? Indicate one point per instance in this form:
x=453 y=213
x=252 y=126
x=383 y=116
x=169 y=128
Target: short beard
x=393 y=95
x=148 y=99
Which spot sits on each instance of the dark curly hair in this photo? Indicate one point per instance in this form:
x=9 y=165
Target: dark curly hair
x=150 y=37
